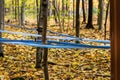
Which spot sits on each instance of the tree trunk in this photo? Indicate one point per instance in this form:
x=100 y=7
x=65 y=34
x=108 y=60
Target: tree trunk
x=23 y=13
x=15 y=9
x=44 y=9
x=100 y=14
x=73 y=13
x=84 y=15
x=48 y=9
x=66 y=7
x=115 y=39
x=39 y=52
x=18 y=7
x=45 y=60
x=90 y=14
x=106 y=17
x=54 y=11
x=68 y=17
x=58 y=15
x=63 y=12
x=37 y=11
x=77 y=18
x=1 y=24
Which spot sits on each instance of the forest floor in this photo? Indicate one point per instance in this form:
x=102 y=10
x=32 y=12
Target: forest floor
x=82 y=64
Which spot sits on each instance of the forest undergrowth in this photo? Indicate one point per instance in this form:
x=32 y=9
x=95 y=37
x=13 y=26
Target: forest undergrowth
x=71 y=64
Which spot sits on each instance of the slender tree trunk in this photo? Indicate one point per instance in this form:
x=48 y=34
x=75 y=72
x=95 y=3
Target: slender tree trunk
x=106 y=17
x=68 y=16
x=37 y=11
x=39 y=52
x=58 y=5
x=68 y=26
x=73 y=13
x=54 y=11
x=84 y=15
x=45 y=60
x=44 y=31
x=100 y=14
x=19 y=19
x=1 y=24
x=63 y=12
x=15 y=9
x=58 y=15
x=77 y=18
x=90 y=14
x=23 y=13
x=86 y=7
x=66 y=7
x=48 y=9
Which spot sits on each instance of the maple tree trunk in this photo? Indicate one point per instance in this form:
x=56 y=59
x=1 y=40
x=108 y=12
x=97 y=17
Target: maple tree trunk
x=18 y=7
x=83 y=8
x=90 y=14
x=57 y=15
x=54 y=11
x=115 y=39
x=73 y=13
x=63 y=13
x=77 y=18
x=106 y=17
x=39 y=52
x=66 y=7
x=1 y=24
x=23 y=13
x=37 y=11
x=100 y=14
x=15 y=10
x=68 y=17
x=45 y=60
x=42 y=53
x=44 y=9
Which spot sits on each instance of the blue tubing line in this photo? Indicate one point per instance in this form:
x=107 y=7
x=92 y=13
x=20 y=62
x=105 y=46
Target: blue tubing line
x=56 y=37
x=51 y=44
x=76 y=38
x=27 y=34
x=29 y=41
x=20 y=33
x=56 y=46
x=60 y=34
x=35 y=29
